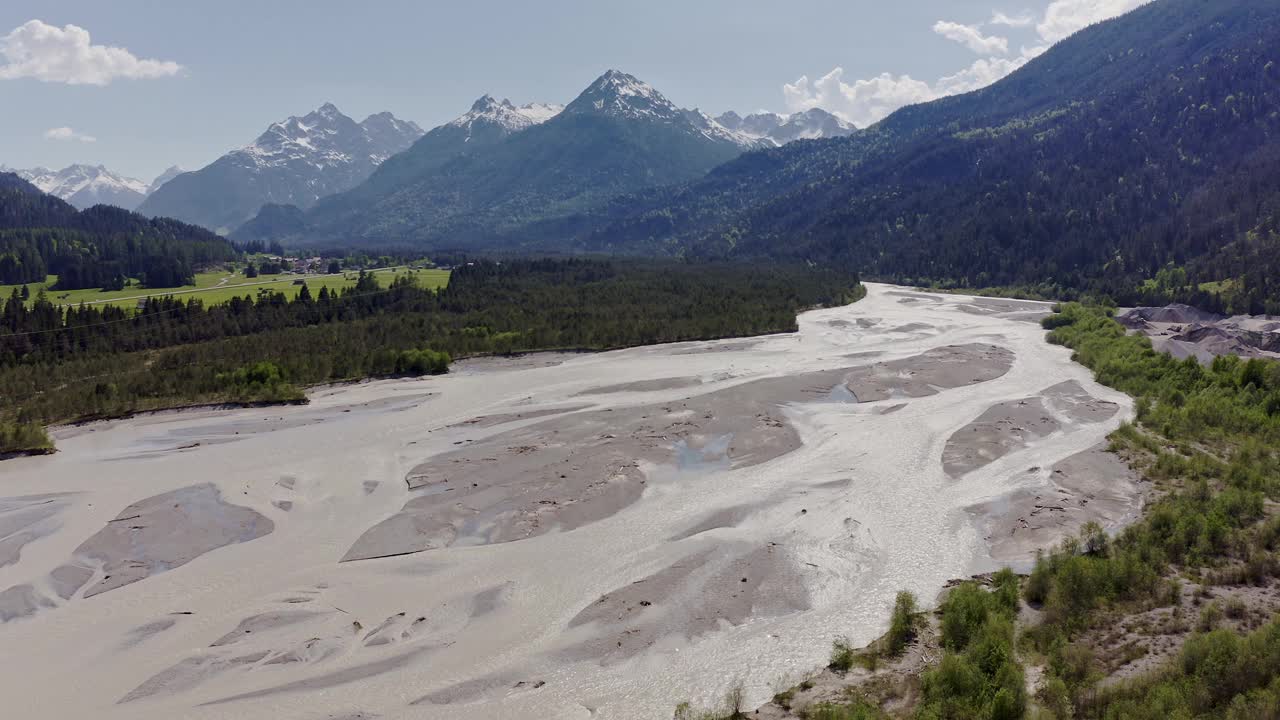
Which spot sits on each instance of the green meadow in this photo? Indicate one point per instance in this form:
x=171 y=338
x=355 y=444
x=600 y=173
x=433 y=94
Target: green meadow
x=219 y=286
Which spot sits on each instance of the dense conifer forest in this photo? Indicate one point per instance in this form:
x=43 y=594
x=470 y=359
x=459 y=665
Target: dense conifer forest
x=88 y=362
x=41 y=235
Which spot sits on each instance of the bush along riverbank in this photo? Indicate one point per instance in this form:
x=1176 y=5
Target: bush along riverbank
x=1175 y=617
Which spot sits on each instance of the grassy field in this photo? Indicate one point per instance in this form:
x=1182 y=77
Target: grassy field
x=1218 y=286
x=221 y=286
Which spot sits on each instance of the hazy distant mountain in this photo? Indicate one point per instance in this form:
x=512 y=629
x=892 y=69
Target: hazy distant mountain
x=480 y=178
x=163 y=178
x=297 y=162
x=814 y=124
x=273 y=222
x=86 y=185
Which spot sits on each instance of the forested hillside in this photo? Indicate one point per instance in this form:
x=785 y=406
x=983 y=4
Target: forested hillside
x=41 y=235
x=1147 y=140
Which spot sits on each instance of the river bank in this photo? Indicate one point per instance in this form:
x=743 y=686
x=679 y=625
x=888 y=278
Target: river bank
x=599 y=536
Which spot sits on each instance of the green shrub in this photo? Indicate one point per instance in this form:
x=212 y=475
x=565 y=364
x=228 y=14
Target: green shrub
x=902 y=626
x=261 y=382
x=979 y=675
x=1217 y=674
x=1210 y=616
x=1212 y=436
x=843 y=656
x=964 y=613
x=422 y=362
x=24 y=438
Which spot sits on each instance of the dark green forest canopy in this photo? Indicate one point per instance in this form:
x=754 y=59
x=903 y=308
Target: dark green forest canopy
x=1147 y=140
x=41 y=235
x=61 y=364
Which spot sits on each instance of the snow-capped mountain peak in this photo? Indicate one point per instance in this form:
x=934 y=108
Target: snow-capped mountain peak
x=714 y=130
x=813 y=124
x=325 y=137
x=387 y=134
x=87 y=185
x=540 y=112
x=164 y=177
x=491 y=113
x=296 y=161
x=730 y=120
x=621 y=95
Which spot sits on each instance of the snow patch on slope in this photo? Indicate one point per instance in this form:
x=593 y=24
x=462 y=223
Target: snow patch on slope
x=814 y=124
x=86 y=185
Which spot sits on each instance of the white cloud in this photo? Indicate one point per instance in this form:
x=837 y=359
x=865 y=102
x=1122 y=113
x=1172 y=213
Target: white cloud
x=1020 y=20
x=971 y=37
x=67 y=134
x=866 y=102
x=862 y=102
x=1064 y=17
x=65 y=55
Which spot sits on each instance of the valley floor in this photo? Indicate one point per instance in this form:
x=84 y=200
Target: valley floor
x=554 y=536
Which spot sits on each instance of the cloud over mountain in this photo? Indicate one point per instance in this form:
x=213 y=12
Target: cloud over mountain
x=1014 y=21
x=865 y=101
x=971 y=37
x=1065 y=17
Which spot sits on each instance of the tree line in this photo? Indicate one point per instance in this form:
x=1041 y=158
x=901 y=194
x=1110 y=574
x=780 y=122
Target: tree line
x=41 y=235
x=59 y=364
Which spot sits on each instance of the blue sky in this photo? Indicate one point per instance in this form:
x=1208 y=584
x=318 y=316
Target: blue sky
x=186 y=80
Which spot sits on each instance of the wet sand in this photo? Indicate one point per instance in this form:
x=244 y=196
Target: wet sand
x=560 y=536
x=1054 y=503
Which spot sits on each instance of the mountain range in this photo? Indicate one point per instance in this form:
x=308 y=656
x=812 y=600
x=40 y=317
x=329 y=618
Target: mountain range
x=296 y=161
x=164 y=177
x=303 y=160
x=812 y=124
x=1146 y=141
x=498 y=168
x=86 y=185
